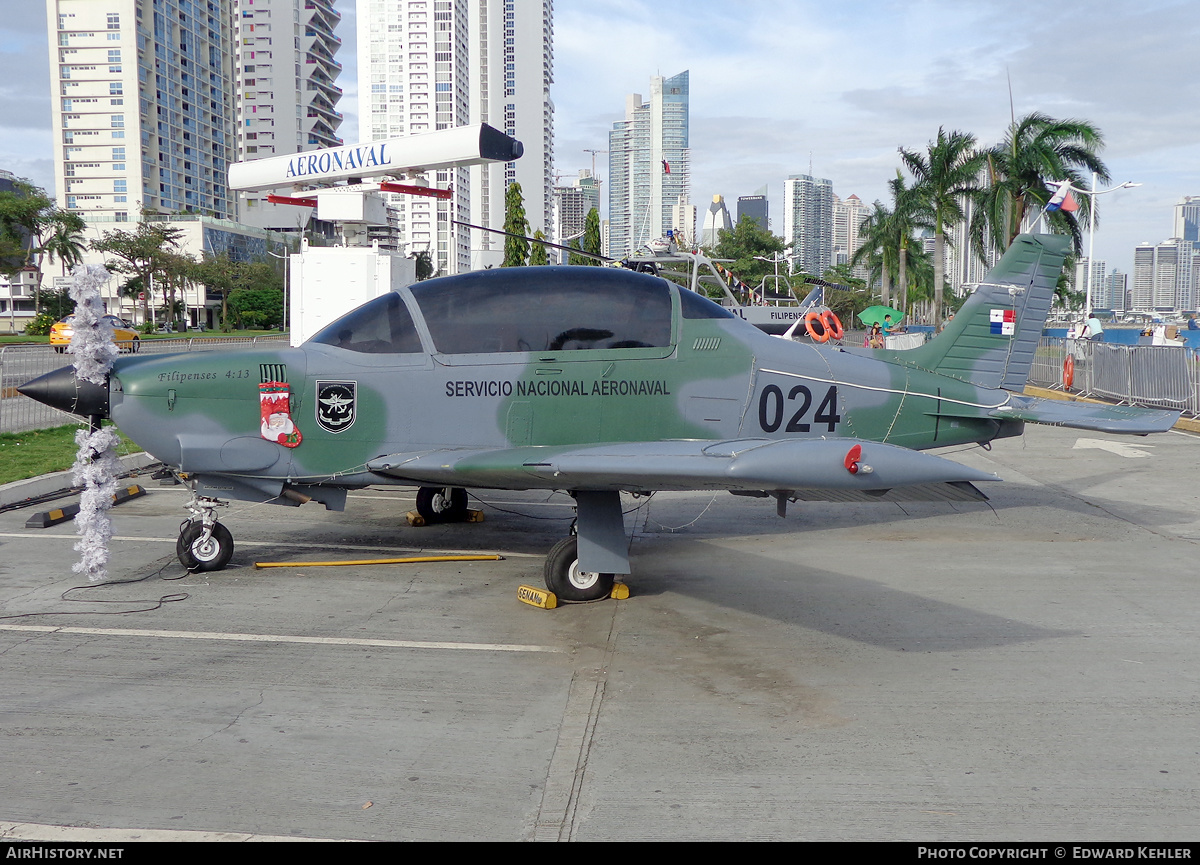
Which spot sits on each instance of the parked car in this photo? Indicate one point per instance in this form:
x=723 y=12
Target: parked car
x=123 y=333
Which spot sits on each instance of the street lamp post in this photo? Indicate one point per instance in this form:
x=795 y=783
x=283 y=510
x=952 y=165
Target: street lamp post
x=287 y=287
x=1087 y=304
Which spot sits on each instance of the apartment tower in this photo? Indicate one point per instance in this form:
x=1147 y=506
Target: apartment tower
x=143 y=106
x=287 y=98
x=648 y=165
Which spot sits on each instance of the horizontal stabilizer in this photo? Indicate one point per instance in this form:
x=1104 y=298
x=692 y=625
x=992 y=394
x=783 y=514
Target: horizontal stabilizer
x=1121 y=419
x=1127 y=419
x=743 y=464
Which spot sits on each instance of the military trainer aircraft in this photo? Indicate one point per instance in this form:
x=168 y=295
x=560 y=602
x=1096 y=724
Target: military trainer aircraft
x=589 y=380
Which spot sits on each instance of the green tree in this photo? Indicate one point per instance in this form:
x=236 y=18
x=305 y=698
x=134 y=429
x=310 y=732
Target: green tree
x=258 y=308
x=878 y=249
x=65 y=242
x=424 y=261
x=850 y=297
x=537 y=254
x=250 y=289
x=28 y=220
x=141 y=253
x=218 y=274
x=575 y=258
x=516 y=249
x=743 y=247
x=944 y=177
x=1036 y=150
x=591 y=237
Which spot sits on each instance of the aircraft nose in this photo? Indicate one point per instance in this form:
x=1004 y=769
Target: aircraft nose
x=62 y=390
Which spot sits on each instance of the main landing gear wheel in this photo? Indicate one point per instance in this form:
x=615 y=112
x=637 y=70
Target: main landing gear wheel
x=442 y=504
x=198 y=553
x=569 y=584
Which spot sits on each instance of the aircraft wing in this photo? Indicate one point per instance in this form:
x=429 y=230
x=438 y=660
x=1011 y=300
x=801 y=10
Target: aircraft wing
x=849 y=469
x=1126 y=419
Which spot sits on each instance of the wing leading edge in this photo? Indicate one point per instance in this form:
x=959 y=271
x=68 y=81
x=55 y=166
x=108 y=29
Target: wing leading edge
x=737 y=465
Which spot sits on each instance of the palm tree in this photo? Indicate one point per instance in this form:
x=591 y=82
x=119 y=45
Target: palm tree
x=876 y=250
x=1037 y=149
x=911 y=213
x=943 y=177
x=888 y=248
x=66 y=239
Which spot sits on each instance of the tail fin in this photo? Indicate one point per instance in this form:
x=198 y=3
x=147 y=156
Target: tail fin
x=991 y=341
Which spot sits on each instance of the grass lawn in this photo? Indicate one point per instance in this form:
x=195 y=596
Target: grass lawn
x=33 y=453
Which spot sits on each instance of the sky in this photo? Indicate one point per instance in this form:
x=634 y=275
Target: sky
x=779 y=85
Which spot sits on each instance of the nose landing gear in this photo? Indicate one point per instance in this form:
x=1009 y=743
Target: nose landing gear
x=204 y=544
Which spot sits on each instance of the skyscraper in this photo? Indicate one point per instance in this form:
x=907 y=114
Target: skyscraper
x=808 y=222
x=287 y=98
x=1099 y=281
x=572 y=205
x=1162 y=276
x=648 y=164
x=412 y=71
x=143 y=105
x=511 y=70
x=435 y=64
x=754 y=207
x=848 y=216
x=1187 y=219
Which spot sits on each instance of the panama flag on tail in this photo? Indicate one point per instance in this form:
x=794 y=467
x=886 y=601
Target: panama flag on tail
x=1062 y=199
x=1004 y=321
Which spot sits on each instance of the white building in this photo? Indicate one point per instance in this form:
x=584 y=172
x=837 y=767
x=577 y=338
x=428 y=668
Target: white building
x=683 y=221
x=1097 y=274
x=648 y=165
x=808 y=222
x=435 y=64
x=716 y=220
x=413 y=78
x=848 y=217
x=1163 y=276
x=142 y=106
x=511 y=70
x=285 y=74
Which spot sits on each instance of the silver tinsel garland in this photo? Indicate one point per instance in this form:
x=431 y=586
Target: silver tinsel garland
x=96 y=465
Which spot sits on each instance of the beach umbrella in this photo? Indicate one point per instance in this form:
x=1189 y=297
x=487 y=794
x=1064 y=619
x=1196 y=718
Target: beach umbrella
x=873 y=314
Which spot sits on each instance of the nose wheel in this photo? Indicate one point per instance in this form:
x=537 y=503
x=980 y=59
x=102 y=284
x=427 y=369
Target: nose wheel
x=204 y=544
x=204 y=548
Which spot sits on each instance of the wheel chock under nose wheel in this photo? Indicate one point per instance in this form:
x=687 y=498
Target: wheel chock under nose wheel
x=415 y=520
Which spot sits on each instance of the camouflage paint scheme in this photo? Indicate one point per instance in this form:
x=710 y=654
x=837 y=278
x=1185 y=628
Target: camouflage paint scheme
x=725 y=406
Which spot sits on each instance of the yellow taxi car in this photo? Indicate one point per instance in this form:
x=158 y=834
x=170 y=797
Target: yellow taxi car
x=124 y=335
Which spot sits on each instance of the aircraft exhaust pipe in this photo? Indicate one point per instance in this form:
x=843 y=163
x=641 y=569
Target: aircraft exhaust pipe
x=61 y=389
x=295 y=496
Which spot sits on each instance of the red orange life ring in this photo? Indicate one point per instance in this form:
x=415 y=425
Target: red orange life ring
x=1068 y=372
x=810 y=325
x=832 y=324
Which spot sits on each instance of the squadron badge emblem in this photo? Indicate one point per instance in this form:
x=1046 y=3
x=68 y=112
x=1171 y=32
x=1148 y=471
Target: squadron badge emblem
x=336 y=404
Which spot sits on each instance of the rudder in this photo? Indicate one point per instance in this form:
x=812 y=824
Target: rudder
x=992 y=340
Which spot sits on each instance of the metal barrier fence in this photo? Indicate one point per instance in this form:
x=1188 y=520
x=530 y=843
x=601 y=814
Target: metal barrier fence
x=1161 y=376
x=21 y=363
